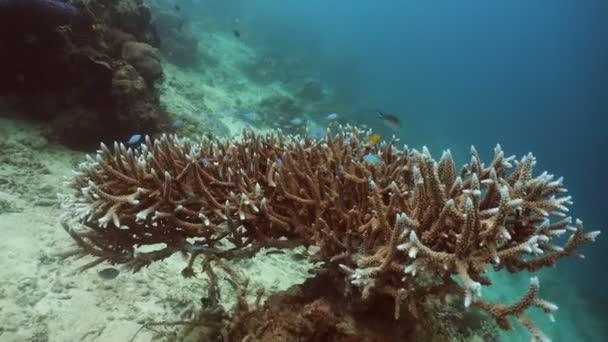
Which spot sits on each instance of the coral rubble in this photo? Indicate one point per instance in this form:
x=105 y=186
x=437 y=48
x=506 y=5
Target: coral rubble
x=405 y=232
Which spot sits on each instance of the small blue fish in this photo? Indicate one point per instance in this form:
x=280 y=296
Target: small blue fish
x=135 y=138
x=372 y=158
x=279 y=162
x=332 y=116
x=108 y=273
x=251 y=116
x=192 y=248
x=226 y=112
x=205 y=161
x=341 y=169
x=317 y=133
x=296 y=121
x=178 y=123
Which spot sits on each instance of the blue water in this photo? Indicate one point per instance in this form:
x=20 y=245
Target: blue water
x=530 y=75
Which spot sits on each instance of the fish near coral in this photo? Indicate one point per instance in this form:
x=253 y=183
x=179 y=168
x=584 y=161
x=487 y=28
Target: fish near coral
x=373 y=139
x=390 y=120
x=108 y=273
x=331 y=117
x=179 y=123
x=135 y=138
x=372 y=158
x=296 y=121
x=251 y=116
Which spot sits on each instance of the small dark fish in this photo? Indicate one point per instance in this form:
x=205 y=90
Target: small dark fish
x=191 y=248
x=177 y=8
x=275 y=251
x=298 y=256
x=236 y=33
x=108 y=273
x=205 y=302
x=191 y=199
x=179 y=26
x=390 y=120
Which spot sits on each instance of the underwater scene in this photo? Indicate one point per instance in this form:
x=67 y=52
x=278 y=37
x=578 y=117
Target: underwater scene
x=281 y=170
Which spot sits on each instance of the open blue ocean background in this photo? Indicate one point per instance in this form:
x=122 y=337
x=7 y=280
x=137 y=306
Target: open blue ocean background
x=530 y=75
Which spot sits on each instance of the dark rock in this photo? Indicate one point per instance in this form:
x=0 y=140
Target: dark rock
x=127 y=84
x=145 y=59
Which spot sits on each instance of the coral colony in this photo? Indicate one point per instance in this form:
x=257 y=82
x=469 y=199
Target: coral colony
x=408 y=228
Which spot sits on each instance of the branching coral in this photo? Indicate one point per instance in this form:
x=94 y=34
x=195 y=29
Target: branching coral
x=409 y=228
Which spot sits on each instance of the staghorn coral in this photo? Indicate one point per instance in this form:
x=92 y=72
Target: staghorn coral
x=410 y=228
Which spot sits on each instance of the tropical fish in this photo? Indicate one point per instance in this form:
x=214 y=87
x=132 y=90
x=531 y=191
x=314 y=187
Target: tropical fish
x=251 y=116
x=296 y=121
x=317 y=133
x=373 y=139
x=195 y=248
x=390 y=120
x=298 y=256
x=135 y=138
x=275 y=251
x=236 y=33
x=178 y=123
x=108 y=273
x=332 y=116
x=372 y=158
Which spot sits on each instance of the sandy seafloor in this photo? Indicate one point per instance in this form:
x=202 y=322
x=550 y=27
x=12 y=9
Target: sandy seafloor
x=45 y=298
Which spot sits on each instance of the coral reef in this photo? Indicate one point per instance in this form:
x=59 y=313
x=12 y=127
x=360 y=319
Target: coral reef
x=145 y=59
x=405 y=232
x=61 y=59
